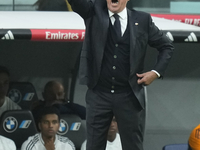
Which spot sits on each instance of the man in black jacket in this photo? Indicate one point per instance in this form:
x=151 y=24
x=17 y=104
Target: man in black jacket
x=111 y=65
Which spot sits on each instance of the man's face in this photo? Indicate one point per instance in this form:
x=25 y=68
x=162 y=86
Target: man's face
x=49 y=125
x=113 y=127
x=56 y=92
x=116 y=6
x=4 y=84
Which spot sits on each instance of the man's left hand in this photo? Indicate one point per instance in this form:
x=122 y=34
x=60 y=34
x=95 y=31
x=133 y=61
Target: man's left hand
x=146 y=78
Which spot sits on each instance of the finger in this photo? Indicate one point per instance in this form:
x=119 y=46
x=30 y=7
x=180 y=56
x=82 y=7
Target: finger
x=140 y=75
x=140 y=81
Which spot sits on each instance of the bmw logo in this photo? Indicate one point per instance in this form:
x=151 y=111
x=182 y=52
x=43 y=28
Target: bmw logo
x=15 y=95
x=63 y=127
x=10 y=124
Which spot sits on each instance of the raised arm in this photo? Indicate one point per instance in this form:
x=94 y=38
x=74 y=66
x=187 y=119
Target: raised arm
x=83 y=7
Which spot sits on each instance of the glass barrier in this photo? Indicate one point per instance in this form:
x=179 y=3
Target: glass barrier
x=17 y=5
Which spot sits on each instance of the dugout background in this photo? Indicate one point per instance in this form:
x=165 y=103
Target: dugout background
x=173 y=103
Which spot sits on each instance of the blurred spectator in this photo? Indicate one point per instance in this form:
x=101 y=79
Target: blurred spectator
x=53 y=5
x=5 y=102
x=54 y=95
x=194 y=139
x=6 y=144
x=47 y=139
x=113 y=138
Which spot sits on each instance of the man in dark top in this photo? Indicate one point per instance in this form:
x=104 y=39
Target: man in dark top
x=54 y=94
x=111 y=65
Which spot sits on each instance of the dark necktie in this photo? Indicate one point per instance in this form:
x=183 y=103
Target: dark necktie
x=117 y=25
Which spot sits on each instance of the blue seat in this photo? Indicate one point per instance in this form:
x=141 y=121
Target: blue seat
x=17 y=125
x=22 y=93
x=176 y=147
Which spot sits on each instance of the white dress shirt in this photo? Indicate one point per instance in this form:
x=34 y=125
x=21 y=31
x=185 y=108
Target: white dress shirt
x=122 y=18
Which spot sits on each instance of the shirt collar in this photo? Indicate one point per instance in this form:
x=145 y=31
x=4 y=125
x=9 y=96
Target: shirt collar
x=122 y=14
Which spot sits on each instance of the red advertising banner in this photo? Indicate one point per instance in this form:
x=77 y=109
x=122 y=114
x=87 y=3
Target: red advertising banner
x=67 y=35
x=189 y=19
x=57 y=35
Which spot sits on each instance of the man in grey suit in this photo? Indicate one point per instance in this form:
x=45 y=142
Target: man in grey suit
x=111 y=65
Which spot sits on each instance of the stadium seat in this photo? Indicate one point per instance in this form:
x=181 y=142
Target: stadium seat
x=176 y=147
x=17 y=125
x=74 y=128
x=22 y=93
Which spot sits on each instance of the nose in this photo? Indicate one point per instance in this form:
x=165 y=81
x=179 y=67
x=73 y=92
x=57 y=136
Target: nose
x=50 y=125
x=112 y=123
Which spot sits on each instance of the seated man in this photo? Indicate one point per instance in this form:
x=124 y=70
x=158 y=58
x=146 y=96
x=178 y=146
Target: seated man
x=113 y=138
x=194 y=139
x=5 y=102
x=54 y=95
x=47 y=139
x=6 y=144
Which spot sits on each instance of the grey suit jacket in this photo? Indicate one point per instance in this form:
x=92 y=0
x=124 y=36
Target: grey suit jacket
x=142 y=32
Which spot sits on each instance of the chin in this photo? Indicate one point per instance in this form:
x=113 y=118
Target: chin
x=114 y=10
x=51 y=135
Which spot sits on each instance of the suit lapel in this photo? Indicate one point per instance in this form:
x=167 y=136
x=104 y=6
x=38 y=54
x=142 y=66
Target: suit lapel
x=132 y=18
x=103 y=25
x=103 y=32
